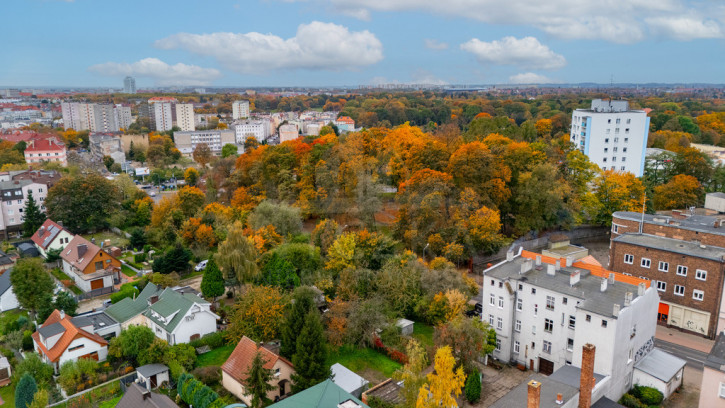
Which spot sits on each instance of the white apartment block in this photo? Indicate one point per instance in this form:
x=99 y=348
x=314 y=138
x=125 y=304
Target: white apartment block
x=259 y=129
x=185 y=117
x=186 y=142
x=123 y=116
x=14 y=189
x=104 y=118
x=95 y=117
x=163 y=116
x=612 y=135
x=240 y=110
x=544 y=309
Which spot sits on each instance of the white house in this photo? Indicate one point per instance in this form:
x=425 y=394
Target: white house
x=51 y=235
x=179 y=318
x=8 y=301
x=660 y=370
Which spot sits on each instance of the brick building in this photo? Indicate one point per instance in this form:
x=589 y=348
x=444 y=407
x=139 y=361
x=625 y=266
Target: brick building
x=685 y=254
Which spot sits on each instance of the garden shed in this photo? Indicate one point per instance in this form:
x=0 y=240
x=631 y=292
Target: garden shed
x=406 y=326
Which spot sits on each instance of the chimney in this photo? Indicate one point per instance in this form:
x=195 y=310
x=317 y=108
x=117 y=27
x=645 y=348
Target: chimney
x=574 y=278
x=510 y=255
x=611 y=278
x=557 y=266
x=641 y=288
x=587 y=373
x=62 y=314
x=559 y=398
x=526 y=266
x=627 y=299
x=534 y=394
x=538 y=260
x=550 y=270
x=82 y=248
x=603 y=285
x=615 y=309
x=60 y=223
x=569 y=261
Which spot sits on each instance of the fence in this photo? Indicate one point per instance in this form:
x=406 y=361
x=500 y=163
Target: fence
x=96 y=293
x=79 y=394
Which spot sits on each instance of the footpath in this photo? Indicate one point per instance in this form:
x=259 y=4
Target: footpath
x=684 y=339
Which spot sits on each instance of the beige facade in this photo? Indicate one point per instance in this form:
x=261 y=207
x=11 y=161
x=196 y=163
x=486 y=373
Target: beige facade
x=282 y=378
x=185 y=117
x=138 y=140
x=712 y=390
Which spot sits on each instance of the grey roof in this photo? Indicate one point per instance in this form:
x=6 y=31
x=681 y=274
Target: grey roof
x=347 y=379
x=660 y=364
x=716 y=358
x=652 y=151
x=587 y=290
x=571 y=375
x=99 y=320
x=51 y=330
x=134 y=398
x=12 y=184
x=673 y=245
x=5 y=259
x=28 y=249
x=701 y=223
x=148 y=370
x=605 y=402
x=518 y=396
x=5 y=281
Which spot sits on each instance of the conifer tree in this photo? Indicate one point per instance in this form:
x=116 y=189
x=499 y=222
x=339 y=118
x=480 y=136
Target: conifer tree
x=302 y=303
x=34 y=218
x=25 y=391
x=257 y=383
x=212 y=283
x=310 y=358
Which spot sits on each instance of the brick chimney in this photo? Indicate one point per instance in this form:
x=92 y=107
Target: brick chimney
x=534 y=394
x=587 y=374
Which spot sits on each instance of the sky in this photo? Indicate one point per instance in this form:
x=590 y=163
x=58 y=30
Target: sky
x=255 y=43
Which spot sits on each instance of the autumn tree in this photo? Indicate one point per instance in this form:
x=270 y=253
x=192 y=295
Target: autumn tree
x=191 y=176
x=285 y=218
x=237 y=256
x=189 y=200
x=258 y=381
x=399 y=282
x=543 y=200
x=325 y=233
x=444 y=384
x=615 y=191
x=90 y=210
x=257 y=314
x=468 y=339
x=692 y=162
x=682 y=191
x=202 y=154
x=411 y=374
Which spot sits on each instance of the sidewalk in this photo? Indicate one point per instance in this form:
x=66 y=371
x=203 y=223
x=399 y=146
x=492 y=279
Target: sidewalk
x=684 y=339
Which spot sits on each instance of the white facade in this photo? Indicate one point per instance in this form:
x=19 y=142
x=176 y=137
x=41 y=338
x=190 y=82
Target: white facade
x=185 y=117
x=104 y=118
x=611 y=135
x=14 y=201
x=95 y=117
x=198 y=320
x=83 y=284
x=79 y=347
x=240 y=110
x=8 y=300
x=186 y=142
x=122 y=115
x=163 y=116
x=258 y=129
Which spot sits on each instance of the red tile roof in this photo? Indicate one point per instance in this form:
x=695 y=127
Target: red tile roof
x=36 y=145
x=345 y=119
x=241 y=358
x=43 y=232
x=71 y=333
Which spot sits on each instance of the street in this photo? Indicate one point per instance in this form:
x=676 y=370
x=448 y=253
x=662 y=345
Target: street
x=694 y=358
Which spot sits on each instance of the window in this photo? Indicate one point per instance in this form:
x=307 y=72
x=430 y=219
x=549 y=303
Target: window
x=533 y=291
x=604 y=323
x=681 y=270
x=533 y=345
x=99 y=265
x=547 y=347
x=500 y=284
x=628 y=259
x=615 y=149
x=616 y=140
x=548 y=325
x=645 y=263
x=700 y=274
x=604 y=160
x=614 y=159
x=521 y=287
x=517 y=327
x=615 y=228
x=536 y=310
x=606 y=140
x=722 y=390
x=492 y=283
x=609 y=131
x=572 y=321
x=663 y=266
x=498 y=345
x=589 y=318
x=606 y=150
x=679 y=290
x=490 y=320
x=629 y=121
x=626 y=139
x=517 y=347
x=500 y=302
x=569 y=344
x=519 y=304
x=76 y=347
x=624 y=150
x=564 y=300
x=619 y=121
x=622 y=168
x=609 y=120
x=492 y=300
x=661 y=286
x=698 y=295
x=550 y=303
x=11 y=212
x=533 y=329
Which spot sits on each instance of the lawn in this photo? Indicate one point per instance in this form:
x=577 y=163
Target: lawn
x=8 y=395
x=75 y=290
x=127 y=271
x=59 y=274
x=215 y=357
x=110 y=403
x=423 y=333
x=362 y=359
x=104 y=235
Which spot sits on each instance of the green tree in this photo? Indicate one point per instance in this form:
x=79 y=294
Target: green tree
x=212 y=283
x=468 y=338
x=108 y=162
x=302 y=303
x=25 y=391
x=32 y=285
x=67 y=303
x=285 y=219
x=311 y=354
x=138 y=238
x=83 y=202
x=175 y=259
x=472 y=389
x=35 y=367
x=34 y=218
x=229 y=150
x=40 y=400
x=279 y=272
x=78 y=373
x=257 y=384
x=131 y=342
x=237 y=256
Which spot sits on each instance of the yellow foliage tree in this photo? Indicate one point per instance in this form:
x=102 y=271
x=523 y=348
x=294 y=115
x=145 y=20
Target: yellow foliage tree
x=456 y=303
x=342 y=253
x=444 y=384
x=681 y=192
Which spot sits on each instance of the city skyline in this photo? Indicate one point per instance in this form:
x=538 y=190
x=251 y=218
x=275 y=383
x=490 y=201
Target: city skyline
x=364 y=42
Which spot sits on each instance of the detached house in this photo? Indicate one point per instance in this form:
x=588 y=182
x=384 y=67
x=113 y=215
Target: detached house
x=51 y=235
x=89 y=266
x=60 y=339
x=8 y=300
x=179 y=317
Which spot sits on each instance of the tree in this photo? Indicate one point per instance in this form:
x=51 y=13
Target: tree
x=616 y=191
x=473 y=387
x=302 y=304
x=444 y=384
x=212 y=283
x=467 y=338
x=311 y=354
x=189 y=200
x=257 y=381
x=108 y=162
x=83 y=202
x=175 y=259
x=682 y=191
x=258 y=314
x=67 y=303
x=191 y=176
x=325 y=233
x=202 y=154
x=131 y=342
x=32 y=285
x=279 y=272
x=411 y=374
x=138 y=238
x=365 y=318
x=34 y=218
x=35 y=367
x=76 y=375
x=25 y=391
x=285 y=219
x=40 y=400
x=237 y=256
x=229 y=150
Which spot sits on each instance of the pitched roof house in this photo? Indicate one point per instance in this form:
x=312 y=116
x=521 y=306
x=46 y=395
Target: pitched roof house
x=8 y=300
x=129 y=312
x=326 y=394
x=138 y=397
x=59 y=340
x=235 y=369
x=89 y=266
x=51 y=235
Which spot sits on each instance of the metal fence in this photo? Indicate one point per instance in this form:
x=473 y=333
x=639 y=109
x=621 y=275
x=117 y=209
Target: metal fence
x=96 y=293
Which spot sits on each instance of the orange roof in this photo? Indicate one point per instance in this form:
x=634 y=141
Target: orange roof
x=590 y=260
x=241 y=359
x=71 y=333
x=44 y=145
x=596 y=270
x=345 y=119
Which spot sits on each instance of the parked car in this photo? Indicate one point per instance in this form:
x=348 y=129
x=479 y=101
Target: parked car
x=201 y=265
x=476 y=311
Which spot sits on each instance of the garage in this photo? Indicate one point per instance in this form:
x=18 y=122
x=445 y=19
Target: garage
x=97 y=284
x=545 y=366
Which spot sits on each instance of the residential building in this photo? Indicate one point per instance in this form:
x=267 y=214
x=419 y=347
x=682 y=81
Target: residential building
x=258 y=129
x=234 y=370
x=288 y=132
x=138 y=397
x=51 y=236
x=162 y=116
x=46 y=150
x=326 y=394
x=99 y=323
x=348 y=380
x=179 y=317
x=15 y=186
x=76 y=115
x=544 y=308
x=240 y=110
x=122 y=116
x=715 y=202
x=185 y=117
x=94 y=116
x=106 y=144
x=612 y=135
x=186 y=142
x=104 y=118
x=89 y=266
x=146 y=113
x=59 y=340
x=129 y=312
x=685 y=254
x=8 y=300
x=712 y=390
x=129 y=85
x=345 y=124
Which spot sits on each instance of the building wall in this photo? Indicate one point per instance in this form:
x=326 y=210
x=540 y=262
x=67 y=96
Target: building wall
x=12 y=209
x=59 y=242
x=8 y=300
x=621 y=226
x=237 y=389
x=255 y=129
x=89 y=346
x=122 y=116
x=666 y=388
x=185 y=117
x=710 y=388
x=203 y=323
x=41 y=156
x=163 y=116
x=138 y=320
x=240 y=110
x=138 y=140
x=104 y=118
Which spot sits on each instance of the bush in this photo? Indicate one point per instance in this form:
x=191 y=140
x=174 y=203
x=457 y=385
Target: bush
x=147 y=248
x=208 y=375
x=473 y=387
x=127 y=290
x=630 y=401
x=213 y=340
x=138 y=258
x=377 y=402
x=27 y=340
x=647 y=395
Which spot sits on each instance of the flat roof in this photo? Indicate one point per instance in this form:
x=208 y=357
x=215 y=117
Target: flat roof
x=660 y=364
x=99 y=320
x=700 y=223
x=346 y=378
x=673 y=245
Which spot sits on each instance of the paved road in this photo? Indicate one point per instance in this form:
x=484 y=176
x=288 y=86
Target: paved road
x=694 y=358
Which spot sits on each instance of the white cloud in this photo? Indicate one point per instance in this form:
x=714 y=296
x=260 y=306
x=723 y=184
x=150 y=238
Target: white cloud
x=526 y=52
x=421 y=76
x=434 y=44
x=531 y=78
x=685 y=28
x=319 y=46
x=620 y=21
x=163 y=73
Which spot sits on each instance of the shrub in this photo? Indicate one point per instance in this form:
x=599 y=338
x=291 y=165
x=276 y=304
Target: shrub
x=473 y=387
x=27 y=340
x=630 y=401
x=377 y=402
x=147 y=248
x=648 y=395
x=207 y=375
x=127 y=290
x=213 y=340
x=138 y=258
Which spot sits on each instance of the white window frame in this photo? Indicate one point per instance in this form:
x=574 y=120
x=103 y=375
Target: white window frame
x=629 y=257
x=517 y=326
x=663 y=266
x=490 y=320
x=492 y=300
x=698 y=295
x=647 y=261
x=500 y=302
x=499 y=323
x=547 y=347
x=498 y=344
x=550 y=302
x=550 y=324
x=662 y=286
x=517 y=347
x=679 y=288
x=700 y=274
x=721 y=394
x=681 y=270
x=519 y=304
x=572 y=321
x=567 y=344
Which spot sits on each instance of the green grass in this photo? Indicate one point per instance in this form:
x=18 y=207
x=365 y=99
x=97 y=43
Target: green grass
x=215 y=357
x=8 y=395
x=104 y=235
x=76 y=290
x=110 y=403
x=127 y=271
x=423 y=333
x=59 y=274
x=361 y=359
